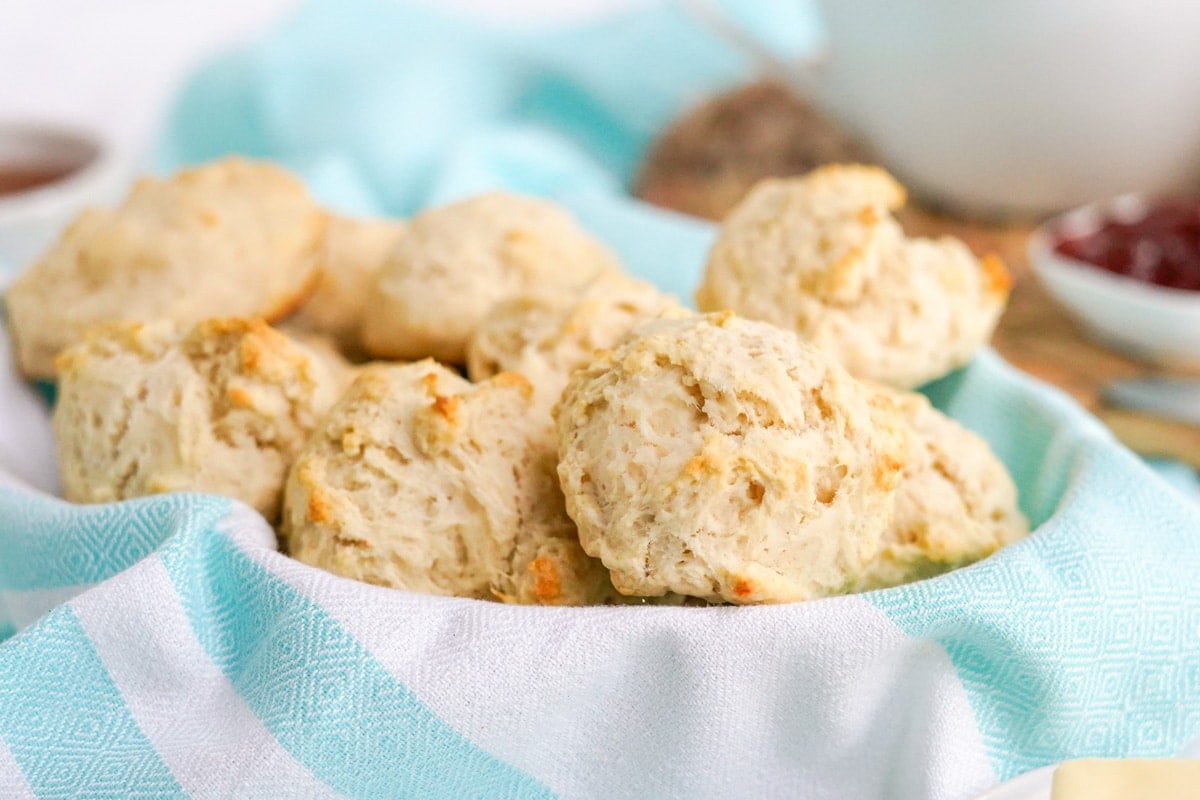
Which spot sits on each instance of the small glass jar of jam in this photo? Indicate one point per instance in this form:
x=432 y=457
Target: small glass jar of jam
x=1158 y=243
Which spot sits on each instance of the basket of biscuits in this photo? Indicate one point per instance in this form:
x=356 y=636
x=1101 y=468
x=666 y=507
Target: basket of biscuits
x=605 y=444
x=469 y=505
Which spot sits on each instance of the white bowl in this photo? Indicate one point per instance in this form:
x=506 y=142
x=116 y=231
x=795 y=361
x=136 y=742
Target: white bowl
x=1149 y=322
x=31 y=219
x=1025 y=106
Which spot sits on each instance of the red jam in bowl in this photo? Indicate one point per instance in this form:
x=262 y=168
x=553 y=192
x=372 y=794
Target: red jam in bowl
x=1160 y=246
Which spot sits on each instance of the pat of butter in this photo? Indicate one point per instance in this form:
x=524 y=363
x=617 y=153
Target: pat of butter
x=1127 y=779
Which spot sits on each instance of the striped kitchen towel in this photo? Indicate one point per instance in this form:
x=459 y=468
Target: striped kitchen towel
x=190 y=659
x=167 y=650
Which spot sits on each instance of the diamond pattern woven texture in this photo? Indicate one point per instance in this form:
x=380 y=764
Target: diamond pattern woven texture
x=66 y=724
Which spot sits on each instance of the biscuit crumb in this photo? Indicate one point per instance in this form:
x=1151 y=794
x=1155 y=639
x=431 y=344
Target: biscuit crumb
x=887 y=472
x=239 y=398
x=352 y=542
x=744 y=588
x=318 y=508
x=448 y=409
x=547 y=585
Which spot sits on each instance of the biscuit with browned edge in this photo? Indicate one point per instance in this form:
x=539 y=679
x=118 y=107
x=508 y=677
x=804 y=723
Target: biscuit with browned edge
x=823 y=256
x=419 y=480
x=233 y=238
x=546 y=335
x=726 y=459
x=222 y=406
x=956 y=503
x=457 y=261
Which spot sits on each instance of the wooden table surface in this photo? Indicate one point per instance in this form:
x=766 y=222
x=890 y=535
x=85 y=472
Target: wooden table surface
x=1038 y=336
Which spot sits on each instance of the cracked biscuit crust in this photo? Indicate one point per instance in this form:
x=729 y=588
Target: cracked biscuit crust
x=725 y=459
x=822 y=255
x=146 y=408
x=547 y=335
x=956 y=503
x=455 y=262
x=419 y=480
x=231 y=238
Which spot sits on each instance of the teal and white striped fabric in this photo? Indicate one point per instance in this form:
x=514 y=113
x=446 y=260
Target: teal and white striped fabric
x=198 y=662
x=168 y=650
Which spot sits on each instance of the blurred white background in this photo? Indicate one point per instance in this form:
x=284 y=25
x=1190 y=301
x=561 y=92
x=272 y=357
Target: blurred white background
x=115 y=64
